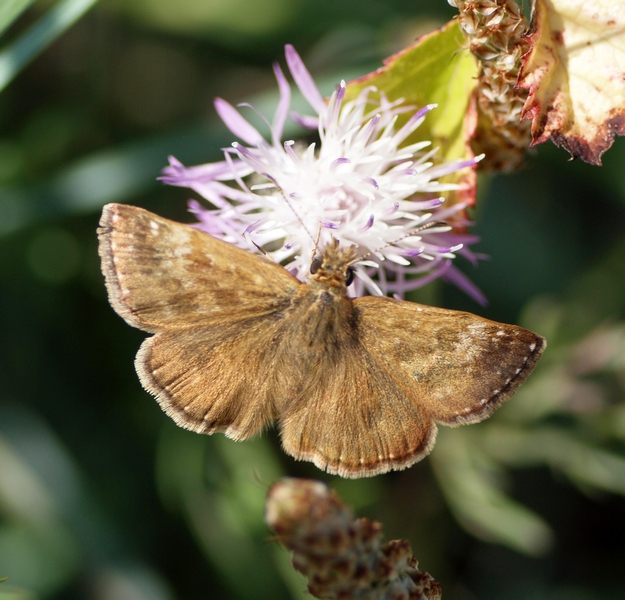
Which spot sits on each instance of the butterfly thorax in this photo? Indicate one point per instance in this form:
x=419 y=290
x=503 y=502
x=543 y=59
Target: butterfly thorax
x=323 y=313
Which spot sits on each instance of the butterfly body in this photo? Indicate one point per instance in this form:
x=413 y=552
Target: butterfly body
x=356 y=386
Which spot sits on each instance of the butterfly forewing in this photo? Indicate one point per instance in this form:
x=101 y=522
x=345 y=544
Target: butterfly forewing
x=163 y=275
x=460 y=367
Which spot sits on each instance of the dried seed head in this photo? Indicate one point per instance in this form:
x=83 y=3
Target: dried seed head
x=343 y=557
x=495 y=30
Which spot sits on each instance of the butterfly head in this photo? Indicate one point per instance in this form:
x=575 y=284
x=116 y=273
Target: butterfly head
x=334 y=266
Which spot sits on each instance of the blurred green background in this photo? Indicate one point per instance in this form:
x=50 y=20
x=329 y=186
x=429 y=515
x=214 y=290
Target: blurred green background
x=102 y=497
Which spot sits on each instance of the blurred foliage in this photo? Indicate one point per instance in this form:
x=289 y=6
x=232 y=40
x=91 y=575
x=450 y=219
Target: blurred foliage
x=102 y=497
x=41 y=34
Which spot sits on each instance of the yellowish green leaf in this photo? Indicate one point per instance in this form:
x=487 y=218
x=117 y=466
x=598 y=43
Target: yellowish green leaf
x=437 y=69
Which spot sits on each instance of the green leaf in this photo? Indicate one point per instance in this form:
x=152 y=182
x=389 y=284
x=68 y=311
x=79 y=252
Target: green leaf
x=39 y=36
x=437 y=69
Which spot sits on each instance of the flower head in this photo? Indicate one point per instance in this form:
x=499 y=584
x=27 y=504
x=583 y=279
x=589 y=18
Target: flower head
x=360 y=185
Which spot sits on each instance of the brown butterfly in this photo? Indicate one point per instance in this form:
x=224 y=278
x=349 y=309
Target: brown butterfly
x=356 y=386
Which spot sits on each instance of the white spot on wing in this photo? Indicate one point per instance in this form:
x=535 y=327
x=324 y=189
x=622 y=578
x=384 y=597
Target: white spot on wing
x=181 y=251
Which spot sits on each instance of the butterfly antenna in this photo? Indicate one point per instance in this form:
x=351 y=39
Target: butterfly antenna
x=315 y=241
x=416 y=231
x=316 y=245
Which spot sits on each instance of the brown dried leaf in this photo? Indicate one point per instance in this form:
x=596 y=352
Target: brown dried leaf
x=575 y=74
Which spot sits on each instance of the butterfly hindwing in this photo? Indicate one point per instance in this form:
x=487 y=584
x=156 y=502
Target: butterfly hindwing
x=352 y=419
x=346 y=413
x=217 y=378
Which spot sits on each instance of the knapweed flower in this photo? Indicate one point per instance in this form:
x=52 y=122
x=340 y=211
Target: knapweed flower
x=359 y=184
